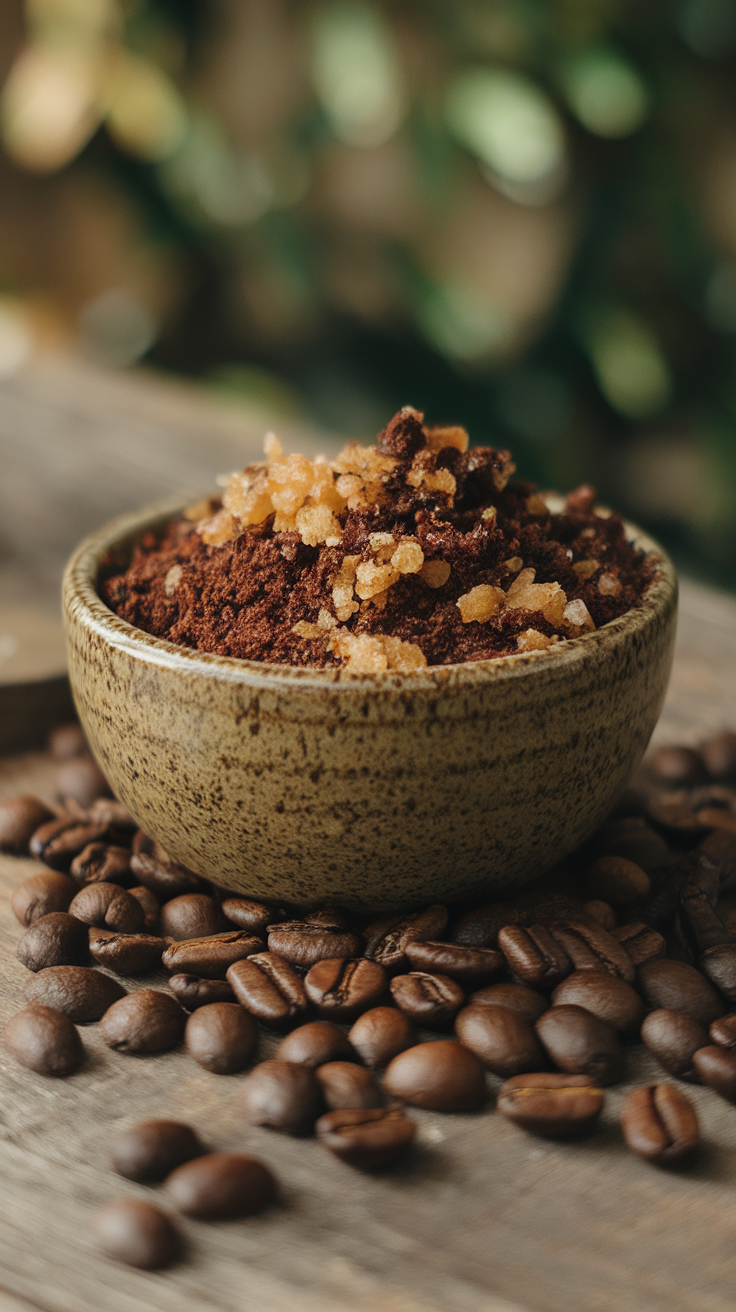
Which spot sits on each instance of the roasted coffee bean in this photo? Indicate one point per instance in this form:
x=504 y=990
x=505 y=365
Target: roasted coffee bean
x=540 y=906
x=146 y=1021
x=503 y=1039
x=430 y=1000
x=221 y=1186
x=518 y=997
x=469 y=967
x=331 y=918
x=386 y=939
x=678 y=765
x=443 y=1076
x=81 y=778
x=138 y=1233
x=192 y=915
x=101 y=863
x=719 y=754
x=269 y=989
x=82 y=994
x=255 y=917
x=316 y=1043
x=141 y=843
x=674 y=1038
x=637 y=841
x=601 y=912
x=109 y=811
x=581 y=1044
x=723 y=1032
x=344 y=1084
x=678 y=987
x=660 y=1124
x=606 y=996
x=222 y=1037
x=640 y=942
x=192 y=992
x=57 y=842
x=67 y=740
x=381 y=1034
x=618 y=881
x=282 y=1095
x=698 y=924
x=20 y=817
x=302 y=943
x=720 y=847
x=126 y=954
x=151 y=908
x=57 y=939
x=211 y=957
x=105 y=906
x=719 y=964
x=588 y=946
x=367 y=1139
x=694 y=867
x=674 y=815
x=716 y=1067
x=533 y=955
x=165 y=880
x=553 y=1106
x=149 y=1150
x=41 y=894
x=342 y=989
x=44 y=1040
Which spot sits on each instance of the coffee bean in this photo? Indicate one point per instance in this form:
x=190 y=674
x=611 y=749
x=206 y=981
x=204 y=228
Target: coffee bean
x=302 y=943
x=105 y=906
x=675 y=816
x=211 y=957
x=101 y=863
x=552 y=1105
x=518 y=997
x=719 y=755
x=674 y=1038
x=146 y=1021
x=109 y=811
x=533 y=955
x=588 y=946
x=82 y=994
x=503 y=1039
x=719 y=965
x=45 y=1041
x=678 y=987
x=380 y=1034
x=678 y=765
x=606 y=996
x=430 y=1000
x=149 y=1150
x=330 y=918
x=222 y=1037
x=618 y=881
x=269 y=989
x=20 y=817
x=694 y=867
x=316 y=1043
x=191 y=915
x=346 y=1085
x=660 y=1124
x=387 y=939
x=82 y=779
x=723 y=1032
x=141 y=844
x=720 y=847
x=165 y=879
x=581 y=1044
x=57 y=842
x=255 y=917
x=443 y=1076
x=716 y=1067
x=366 y=1138
x=469 y=967
x=221 y=1186
x=636 y=840
x=540 y=906
x=41 y=894
x=67 y=740
x=192 y=992
x=699 y=926
x=136 y=1232
x=640 y=942
x=282 y=1095
x=126 y=954
x=150 y=905
x=601 y=912
x=342 y=989
x=57 y=939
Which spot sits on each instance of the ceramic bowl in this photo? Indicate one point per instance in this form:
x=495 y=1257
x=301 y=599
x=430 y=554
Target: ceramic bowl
x=373 y=791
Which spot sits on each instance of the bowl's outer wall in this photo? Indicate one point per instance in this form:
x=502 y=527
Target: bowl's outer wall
x=377 y=792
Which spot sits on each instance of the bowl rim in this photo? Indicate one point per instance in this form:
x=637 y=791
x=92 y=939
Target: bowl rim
x=82 y=602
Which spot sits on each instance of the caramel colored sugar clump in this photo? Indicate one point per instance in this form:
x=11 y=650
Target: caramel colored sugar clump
x=419 y=550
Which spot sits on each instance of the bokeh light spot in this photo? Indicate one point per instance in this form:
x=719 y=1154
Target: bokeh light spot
x=509 y=123
x=630 y=366
x=356 y=74
x=116 y=328
x=606 y=93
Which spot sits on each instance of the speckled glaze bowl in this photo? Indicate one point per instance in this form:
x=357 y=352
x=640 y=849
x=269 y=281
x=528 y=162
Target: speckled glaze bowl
x=374 y=791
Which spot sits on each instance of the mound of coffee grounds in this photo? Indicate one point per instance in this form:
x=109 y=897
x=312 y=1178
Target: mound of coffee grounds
x=416 y=551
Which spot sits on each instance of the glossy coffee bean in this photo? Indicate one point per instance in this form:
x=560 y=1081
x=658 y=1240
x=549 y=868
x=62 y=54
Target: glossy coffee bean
x=345 y=1084
x=282 y=1095
x=211 y=957
x=718 y=964
x=635 y=839
x=534 y=957
x=677 y=766
x=716 y=1067
x=20 y=817
x=150 y=1150
x=640 y=942
x=254 y=917
x=386 y=940
x=552 y=1105
x=719 y=755
x=618 y=881
x=660 y=1124
x=82 y=779
x=57 y=842
x=221 y=1037
x=82 y=994
x=581 y=1044
x=368 y=1139
x=136 y=1232
x=606 y=996
x=126 y=954
x=720 y=847
x=518 y=997
x=41 y=894
x=503 y=1039
x=381 y=1034
x=57 y=939
x=221 y=1186
x=109 y=811
x=302 y=943
x=723 y=1032
x=101 y=863
x=191 y=915
x=341 y=989
x=151 y=907
x=480 y=927
x=67 y=740
x=192 y=992
x=442 y=1076
x=674 y=1038
x=471 y=968
x=45 y=1041
x=430 y=1000
x=145 y=1021
x=601 y=912
x=590 y=947
x=106 y=906
x=676 y=986
x=316 y=1043
x=165 y=879
x=269 y=989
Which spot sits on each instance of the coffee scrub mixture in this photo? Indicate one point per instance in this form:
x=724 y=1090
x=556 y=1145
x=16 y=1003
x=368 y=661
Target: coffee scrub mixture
x=416 y=551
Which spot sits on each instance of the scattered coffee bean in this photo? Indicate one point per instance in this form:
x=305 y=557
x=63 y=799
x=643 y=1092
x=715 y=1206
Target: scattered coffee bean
x=146 y=1021
x=67 y=740
x=472 y=968
x=221 y=1186
x=101 y=863
x=606 y=996
x=716 y=1067
x=211 y=957
x=674 y=815
x=723 y=1032
x=660 y=1124
x=165 y=879
x=533 y=955
x=20 y=817
x=126 y=954
x=674 y=1038
x=191 y=915
x=618 y=881
x=302 y=943
x=430 y=1000
x=698 y=924
x=149 y=1150
x=442 y=1076
x=57 y=842
x=346 y=1085
x=540 y=906
x=44 y=1040
x=637 y=841
x=503 y=1039
x=138 y=1233
x=255 y=917
x=222 y=1037
x=150 y=905
x=57 y=939
x=518 y=997
x=552 y=1105
x=109 y=811
x=343 y=989
x=105 y=906
x=82 y=994
x=41 y=894
x=601 y=912
x=81 y=778
x=640 y=942
x=676 y=986
x=268 y=988
x=192 y=992
x=719 y=754
x=581 y=1044
x=368 y=1139
x=720 y=847
x=678 y=765
x=386 y=939
x=588 y=946
x=719 y=965
x=316 y=1043
x=282 y=1095
x=381 y=1034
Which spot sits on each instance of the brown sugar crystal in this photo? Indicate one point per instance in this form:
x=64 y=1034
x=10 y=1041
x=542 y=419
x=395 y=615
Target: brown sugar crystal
x=416 y=551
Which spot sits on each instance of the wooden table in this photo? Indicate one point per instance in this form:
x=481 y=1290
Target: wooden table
x=485 y=1219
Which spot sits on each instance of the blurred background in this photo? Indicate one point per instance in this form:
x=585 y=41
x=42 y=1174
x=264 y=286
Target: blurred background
x=519 y=215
